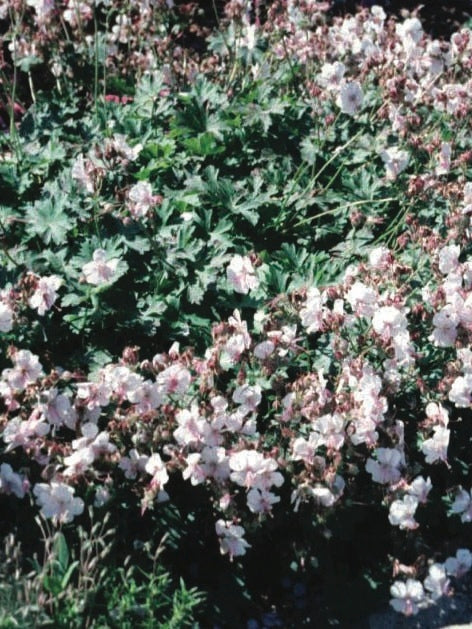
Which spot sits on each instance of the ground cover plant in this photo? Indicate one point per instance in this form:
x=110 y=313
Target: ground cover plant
x=235 y=311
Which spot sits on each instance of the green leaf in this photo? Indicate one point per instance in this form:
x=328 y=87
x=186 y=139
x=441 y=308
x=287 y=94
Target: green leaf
x=61 y=551
x=47 y=220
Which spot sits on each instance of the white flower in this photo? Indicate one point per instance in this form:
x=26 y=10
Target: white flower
x=460 y=564
x=99 y=270
x=102 y=496
x=249 y=397
x=6 y=317
x=312 y=314
x=11 y=482
x=461 y=391
x=395 y=161
x=410 y=32
x=402 y=512
x=241 y=274
x=407 y=597
x=445 y=326
x=389 y=322
x=380 y=258
x=45 y=294
x=362 y=299
x=462 y=505
x=449 y=258
x=79 y=461
x=437 y=582
x=121 y=146
x=327 y=496
x=42 y=7
x=420 y=488
x=157 y=469
x=57 y=501
x=350 y=98
x=435 y=448
x=332 y=74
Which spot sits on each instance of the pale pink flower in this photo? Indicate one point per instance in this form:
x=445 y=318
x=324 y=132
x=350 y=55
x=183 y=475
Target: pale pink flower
x=42 y=7
x=94 y=395
x=385 y=469
x=241 y=274
x=174 y=380
x=18 y=433
x=79 y=461
x=27 y=369
x=77 y=13
x=100 y=270
x=410 y=31
x=395 y=161
x=141 y=199
x=445 y=326
x=251 y=469
x=264 y=350
x=231 y=538
x=261 y=501
x=330 y=429
x=147 y=396
x=210 y=463
x=45 y=293
x=83 y=171
x=303 y=450
x=133 y=464
x=444 y=162
x=408 y=597
x=248 y=396
x=57 y=409
x=192 y=428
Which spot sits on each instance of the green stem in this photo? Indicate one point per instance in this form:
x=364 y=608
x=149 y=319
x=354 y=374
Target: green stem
x=341 y=208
